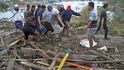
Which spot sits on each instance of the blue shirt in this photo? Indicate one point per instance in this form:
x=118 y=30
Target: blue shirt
x=40 y=14
x=36 y=13
x=66 y=15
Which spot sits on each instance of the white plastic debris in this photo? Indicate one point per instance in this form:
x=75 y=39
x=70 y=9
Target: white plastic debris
x=85 y=43
x=104 y=48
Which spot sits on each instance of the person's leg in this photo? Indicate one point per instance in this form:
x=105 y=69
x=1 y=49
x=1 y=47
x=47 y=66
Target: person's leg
x=68 y=34
x=38 y=33
x=99 y=27
x=16 y=25
x=90 y=43
x=20 y=25
x=43 y=33
x=67 y=27
x=91 y=35
x=26 y=38
x=106 y=31
x=48 y=27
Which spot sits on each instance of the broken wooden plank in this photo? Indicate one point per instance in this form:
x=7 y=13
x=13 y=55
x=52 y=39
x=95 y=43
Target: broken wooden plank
x=40 y=50
x=102 y=55
x=13 y=43
x=45 y=64
x=10 y=64
x=33 y=65
x=31 y=49
x=3 y=63
x=83 y=57
x=2 y=41
x=83 y=61
x=53 y=62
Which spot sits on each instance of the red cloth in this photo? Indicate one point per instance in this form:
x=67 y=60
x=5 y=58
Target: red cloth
x=68 y=8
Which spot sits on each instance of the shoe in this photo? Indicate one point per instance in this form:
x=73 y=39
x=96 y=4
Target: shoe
x=107 y=38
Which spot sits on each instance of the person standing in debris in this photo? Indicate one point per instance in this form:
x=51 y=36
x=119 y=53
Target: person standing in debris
x=39 y=22
x=26 y=12
x=103 y=21
x=66 y=17
x=17 y=18
x=61 y=9
x=29 y=27
x=92 y=23
x=52 y=16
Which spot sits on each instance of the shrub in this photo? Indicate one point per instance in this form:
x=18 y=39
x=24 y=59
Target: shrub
x=3 y=6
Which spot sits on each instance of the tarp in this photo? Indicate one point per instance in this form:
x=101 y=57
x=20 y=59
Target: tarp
x=85 y=43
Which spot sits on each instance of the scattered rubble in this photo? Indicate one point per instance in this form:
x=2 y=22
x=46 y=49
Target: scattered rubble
x=49 y=55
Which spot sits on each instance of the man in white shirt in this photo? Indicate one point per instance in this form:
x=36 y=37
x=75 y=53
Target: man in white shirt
x=52 y=16
x=92 y=23
x=17 y=18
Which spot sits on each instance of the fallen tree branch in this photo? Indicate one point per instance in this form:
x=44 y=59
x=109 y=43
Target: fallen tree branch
x=33 y=65
x=102 y=55
x=40 y=50
x=45 y=64
x=10 y=64
x=53 y=63
x=13 y=43
x=83 y=61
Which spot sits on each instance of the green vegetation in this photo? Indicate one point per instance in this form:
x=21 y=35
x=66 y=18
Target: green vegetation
x=3 y=6
x=116 y=27
x=77 y=22
x=15 y=1
x=7 y=25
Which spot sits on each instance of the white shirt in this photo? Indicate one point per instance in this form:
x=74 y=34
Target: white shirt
x=49 y=14
x=17 y=16
x=93 y=15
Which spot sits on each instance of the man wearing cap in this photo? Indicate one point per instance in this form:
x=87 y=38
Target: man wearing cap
x=61 y=8
x=17 y=18
x=66 y=17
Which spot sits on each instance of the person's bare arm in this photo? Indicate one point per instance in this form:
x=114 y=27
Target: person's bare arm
x=59 y=19
x=89 y=23
x=39 y=21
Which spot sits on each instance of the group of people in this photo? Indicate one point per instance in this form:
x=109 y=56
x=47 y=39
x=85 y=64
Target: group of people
x=43 y=19
x=40 y=20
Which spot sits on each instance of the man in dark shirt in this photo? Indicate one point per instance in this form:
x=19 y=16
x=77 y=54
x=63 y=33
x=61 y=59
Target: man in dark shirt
x=103 y=21
x=33 y=10
x=66 y=16
x=26 y=12
x=29 y=27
